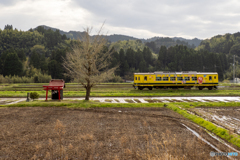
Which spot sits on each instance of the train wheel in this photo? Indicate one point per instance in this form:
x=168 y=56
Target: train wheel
x=150 y=88
x=210 y=88
x=140 y=88
x=200 y=88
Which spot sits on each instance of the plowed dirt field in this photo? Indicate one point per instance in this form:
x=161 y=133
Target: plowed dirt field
x=101 y=133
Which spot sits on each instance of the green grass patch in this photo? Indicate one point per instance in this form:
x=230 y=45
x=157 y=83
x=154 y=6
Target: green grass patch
x=207 y=104
x=109 y=90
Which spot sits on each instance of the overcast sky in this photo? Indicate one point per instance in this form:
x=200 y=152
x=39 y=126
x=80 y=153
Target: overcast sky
x=138 y=18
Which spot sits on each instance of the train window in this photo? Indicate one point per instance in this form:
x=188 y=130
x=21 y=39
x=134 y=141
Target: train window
x=145 y=78
x=158 y=78
x=215 y=77
x=187 y=78
x=210 y=78
x=179 y=78
x=194 y=78
x=135 y=78
x=165 y=78
x=172 y=78
x=139 y=78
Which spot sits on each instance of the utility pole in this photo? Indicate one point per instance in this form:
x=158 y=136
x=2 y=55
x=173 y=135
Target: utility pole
x=233 y=68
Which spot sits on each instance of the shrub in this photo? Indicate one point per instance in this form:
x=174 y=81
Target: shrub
x=226 y=81
x=2 y=79
x=34 y=95
x=37 y=78
x=42 y=78
x=115 y=79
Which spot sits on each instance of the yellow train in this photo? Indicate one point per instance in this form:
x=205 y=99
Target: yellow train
x=185 y=80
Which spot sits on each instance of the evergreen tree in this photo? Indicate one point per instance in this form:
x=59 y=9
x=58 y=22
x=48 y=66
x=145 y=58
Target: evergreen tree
x=147 y=54
x=162 y=57
x=122 y=61
x=142 y=66
x=125 y=68
x=121 y=55
x=12 y=65
x=35 y=59
x=115 y=61
x=55 y=67
x=21 y=55
x=8 y=27
x=138 y=58
x=54 y=70
x=43 y=64
x=130 y=57
x=219 y=67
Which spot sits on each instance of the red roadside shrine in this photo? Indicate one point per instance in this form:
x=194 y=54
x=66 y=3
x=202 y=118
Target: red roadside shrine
x=56 y=85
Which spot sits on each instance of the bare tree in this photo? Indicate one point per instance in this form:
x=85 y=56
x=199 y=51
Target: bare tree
x=88 y=62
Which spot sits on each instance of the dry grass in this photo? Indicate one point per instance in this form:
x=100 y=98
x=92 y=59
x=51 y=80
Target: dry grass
x=137 y=100
x=167 y=147
x=129 y=100
x=116 y=100
x=98 y=134
x=108 y=100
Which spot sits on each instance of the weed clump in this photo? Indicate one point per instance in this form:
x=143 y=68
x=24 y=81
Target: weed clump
x=34 y=95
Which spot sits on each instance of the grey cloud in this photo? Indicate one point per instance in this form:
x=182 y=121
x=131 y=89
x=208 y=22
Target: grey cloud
x=167 y=17
x=201 y=19
x=7 y=2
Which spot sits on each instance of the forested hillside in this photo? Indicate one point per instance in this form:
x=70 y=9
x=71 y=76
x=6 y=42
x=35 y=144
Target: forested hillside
x=118 y=37
x=228 y=44
x=168 y=42
x=37 y=56
x=153 y=43
x=32 y=54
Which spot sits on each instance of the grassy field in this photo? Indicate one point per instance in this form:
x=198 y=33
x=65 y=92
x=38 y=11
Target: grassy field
x=112 y=90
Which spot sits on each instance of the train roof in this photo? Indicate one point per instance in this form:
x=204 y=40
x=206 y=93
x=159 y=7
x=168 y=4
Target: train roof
x=183 y=72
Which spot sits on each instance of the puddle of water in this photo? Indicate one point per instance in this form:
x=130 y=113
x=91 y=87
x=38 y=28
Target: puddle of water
x=223 y=142
x=196 y=134
x=224 y=118
x=215 y=137
x=13 y=102
x=236 y=119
